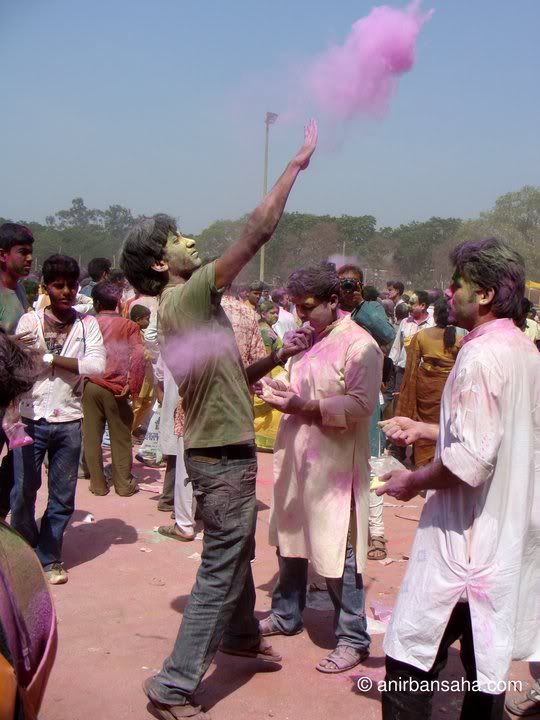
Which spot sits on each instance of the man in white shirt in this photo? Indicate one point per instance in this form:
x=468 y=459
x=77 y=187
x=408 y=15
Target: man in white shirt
x=286 y=320
x=70 y=346
x=474 y=572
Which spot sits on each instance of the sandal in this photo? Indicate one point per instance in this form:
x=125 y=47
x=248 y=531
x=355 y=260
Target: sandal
x=377 y=549
x=173 y=712
x=261 y=651
x=268 y=627
x=525 y=705
x=344 y=657
x=174 y=532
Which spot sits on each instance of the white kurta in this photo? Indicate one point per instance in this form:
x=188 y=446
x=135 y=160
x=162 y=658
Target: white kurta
x=481 y=540
x=320 y=467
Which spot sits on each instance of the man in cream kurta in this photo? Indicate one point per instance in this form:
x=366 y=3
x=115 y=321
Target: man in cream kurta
x=474 y=571
x=321 y=470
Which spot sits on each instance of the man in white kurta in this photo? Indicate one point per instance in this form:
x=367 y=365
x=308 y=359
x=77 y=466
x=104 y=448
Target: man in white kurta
x=321 y=469
x=474 y=571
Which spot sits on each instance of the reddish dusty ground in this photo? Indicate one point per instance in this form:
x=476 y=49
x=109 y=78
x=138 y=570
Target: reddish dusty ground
x=120 y=612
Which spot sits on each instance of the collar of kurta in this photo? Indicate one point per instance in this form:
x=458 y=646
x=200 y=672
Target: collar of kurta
x=498 y=325
x=341 y=315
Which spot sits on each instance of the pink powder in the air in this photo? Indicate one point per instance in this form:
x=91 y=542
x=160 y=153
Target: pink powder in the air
x=359 y=77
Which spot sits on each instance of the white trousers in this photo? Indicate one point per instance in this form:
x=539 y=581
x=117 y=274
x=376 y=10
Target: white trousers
x=183 y=494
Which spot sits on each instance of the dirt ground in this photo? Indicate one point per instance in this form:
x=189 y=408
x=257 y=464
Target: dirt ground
x=121 y=609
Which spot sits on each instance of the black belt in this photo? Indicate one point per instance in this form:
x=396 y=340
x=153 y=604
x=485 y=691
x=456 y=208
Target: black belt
x=230 y=452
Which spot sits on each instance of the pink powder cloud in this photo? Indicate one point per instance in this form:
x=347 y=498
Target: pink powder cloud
x=360 y=76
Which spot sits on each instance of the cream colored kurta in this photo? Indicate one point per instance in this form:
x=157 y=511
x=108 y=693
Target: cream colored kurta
x=320 y=467
x=480 y=541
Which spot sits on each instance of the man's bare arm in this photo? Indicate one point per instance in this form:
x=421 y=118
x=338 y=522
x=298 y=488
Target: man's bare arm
x=264 y=219
x=404 y=431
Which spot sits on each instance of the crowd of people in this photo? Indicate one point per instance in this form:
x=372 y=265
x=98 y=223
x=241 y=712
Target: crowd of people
x=171 y=355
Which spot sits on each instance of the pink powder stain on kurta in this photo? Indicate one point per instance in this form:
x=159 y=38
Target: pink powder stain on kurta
x=360 y=76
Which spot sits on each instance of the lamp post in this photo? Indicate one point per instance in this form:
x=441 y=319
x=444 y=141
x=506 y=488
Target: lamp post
x=269 y=120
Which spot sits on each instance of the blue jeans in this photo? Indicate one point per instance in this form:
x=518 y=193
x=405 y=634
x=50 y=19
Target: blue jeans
x=346 y=593
x=222 y=601
x=62 y=442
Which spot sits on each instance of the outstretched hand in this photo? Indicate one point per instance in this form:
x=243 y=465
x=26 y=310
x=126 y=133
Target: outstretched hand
x=303 y=156
x=402 y=430
x=397 y=484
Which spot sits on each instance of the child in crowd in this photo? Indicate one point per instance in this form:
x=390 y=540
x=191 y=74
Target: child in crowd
x=68 y=346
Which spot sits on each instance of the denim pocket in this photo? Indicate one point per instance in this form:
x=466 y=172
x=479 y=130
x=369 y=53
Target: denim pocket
x=213 y=508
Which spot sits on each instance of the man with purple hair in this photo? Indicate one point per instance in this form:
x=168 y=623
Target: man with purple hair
x=474 y=572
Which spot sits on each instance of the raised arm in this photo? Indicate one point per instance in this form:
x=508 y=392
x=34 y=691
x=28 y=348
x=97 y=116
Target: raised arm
x=263 y=220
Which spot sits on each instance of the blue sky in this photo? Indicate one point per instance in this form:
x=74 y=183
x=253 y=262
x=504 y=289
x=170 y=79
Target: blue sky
x=159 y=105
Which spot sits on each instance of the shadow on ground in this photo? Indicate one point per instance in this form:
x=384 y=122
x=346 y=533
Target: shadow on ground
x=84 y=542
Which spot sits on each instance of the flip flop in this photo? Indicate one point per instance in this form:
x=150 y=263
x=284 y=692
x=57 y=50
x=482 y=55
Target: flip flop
x=173 y=712
x=265 y=653
x=170 y=531
x=344 y=657
x=268 y=627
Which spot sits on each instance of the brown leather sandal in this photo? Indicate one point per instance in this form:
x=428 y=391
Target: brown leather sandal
x=377 y=549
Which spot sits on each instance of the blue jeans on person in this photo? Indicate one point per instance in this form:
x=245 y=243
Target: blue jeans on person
x=62 y=443
x=6 y=473
x=222 y=601
x=346 y=593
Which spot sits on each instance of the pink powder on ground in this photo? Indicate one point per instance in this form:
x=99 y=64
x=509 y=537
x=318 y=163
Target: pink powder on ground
x=360 y=76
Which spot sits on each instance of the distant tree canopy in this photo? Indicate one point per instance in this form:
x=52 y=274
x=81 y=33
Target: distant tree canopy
x=416 y=252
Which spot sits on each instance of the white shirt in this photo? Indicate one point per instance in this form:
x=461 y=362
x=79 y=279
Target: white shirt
x=407 y=329
x=284 y=323
x=482 y=537
x=56 y=394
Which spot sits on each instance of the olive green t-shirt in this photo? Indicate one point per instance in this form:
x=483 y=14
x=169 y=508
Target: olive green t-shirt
x=12 y=307
x=199 y=347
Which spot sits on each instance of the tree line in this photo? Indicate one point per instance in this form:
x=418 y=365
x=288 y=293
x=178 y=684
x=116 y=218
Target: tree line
x=416 y=251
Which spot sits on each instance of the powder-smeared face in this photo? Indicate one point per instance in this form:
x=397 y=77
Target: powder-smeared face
x=318 y=313
x=181 y=255
x=462 y=303
x=271 y=316
x=62 y=293
x=418 y=309
x=254 y=297
x=17 y=260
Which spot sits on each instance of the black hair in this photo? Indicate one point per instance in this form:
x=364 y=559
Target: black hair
x=143 y=246
x=402 y=311
x=139 y=311
x=491 y=264
x=277 y=295
x=440 y=314
x=12 y=234
x=351 y=268
x=60 y=266
x=107 y=294
x=98 y=267
x=321 y=281
x=397 y=285
x=370 y=293
x=116 y=276
x=423 y=297
x=17 y=370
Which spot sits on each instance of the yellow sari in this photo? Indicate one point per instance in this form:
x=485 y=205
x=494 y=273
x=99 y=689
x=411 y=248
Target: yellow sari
x=428 y=367
x=266 y=418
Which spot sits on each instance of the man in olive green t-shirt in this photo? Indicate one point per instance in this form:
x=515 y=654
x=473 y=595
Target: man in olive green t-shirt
x=199 y=348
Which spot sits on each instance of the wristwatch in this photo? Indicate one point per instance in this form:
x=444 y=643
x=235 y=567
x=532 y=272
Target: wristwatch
x=48 y=358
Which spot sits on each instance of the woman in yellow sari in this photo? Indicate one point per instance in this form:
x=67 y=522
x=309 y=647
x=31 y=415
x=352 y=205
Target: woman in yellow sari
x=430 y=358
x=266 y=418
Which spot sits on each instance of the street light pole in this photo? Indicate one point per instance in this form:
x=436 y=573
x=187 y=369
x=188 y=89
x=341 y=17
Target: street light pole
x=270 y=119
